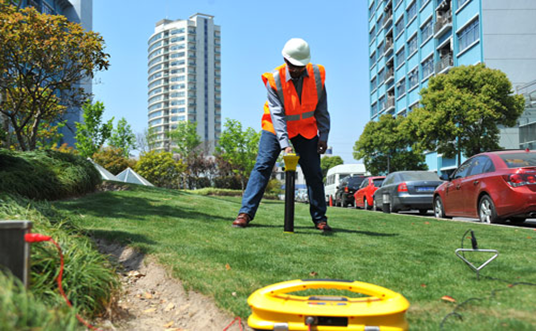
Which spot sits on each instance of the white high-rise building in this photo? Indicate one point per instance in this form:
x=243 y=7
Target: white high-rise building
x=184 y=79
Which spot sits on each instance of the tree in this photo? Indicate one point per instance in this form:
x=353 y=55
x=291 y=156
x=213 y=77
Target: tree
x=123 y=138
x=160 y=169
x=328 y=162
x=92 y=133
x=188 y=148
x=145 y=140
x=186 y=139
x=387 y=146
x=461 y=111
x=113 y=159
x=42 y=60
x=239 y=148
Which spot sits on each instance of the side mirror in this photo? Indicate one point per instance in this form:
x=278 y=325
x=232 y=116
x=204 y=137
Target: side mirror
x=444 y=177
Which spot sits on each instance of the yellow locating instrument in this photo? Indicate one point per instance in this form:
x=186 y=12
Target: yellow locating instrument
x=291 y=161
x=274 y=309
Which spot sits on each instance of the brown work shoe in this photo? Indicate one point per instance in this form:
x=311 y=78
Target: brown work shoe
x=323 y=226
x=242 y=221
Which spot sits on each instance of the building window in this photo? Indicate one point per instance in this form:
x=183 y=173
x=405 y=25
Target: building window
x=372 y=59
x=381 y=49
x=413 y=78
x=400 y=57
x=412 y=11
x=372 y=32
x=462 y=2
x=399 y=26
x=374 y=109
x=428 y=67
x=373 y=84
x=381 y=76
x=401 y=87
x=426 y=31
x=177 y=31
x=381 y=104
x=397 y=2
x=468 y=35
x=412 y=45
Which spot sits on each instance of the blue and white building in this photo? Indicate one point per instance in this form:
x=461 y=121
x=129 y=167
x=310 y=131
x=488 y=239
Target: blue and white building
x=78 y=11
x=184 y=78
x=412 y=40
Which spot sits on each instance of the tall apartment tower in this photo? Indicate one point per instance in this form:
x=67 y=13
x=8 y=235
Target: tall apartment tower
x=184 y=77
x=78 y=11
x=412 y=40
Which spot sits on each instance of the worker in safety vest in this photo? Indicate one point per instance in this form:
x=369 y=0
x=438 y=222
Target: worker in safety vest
x=296 y=111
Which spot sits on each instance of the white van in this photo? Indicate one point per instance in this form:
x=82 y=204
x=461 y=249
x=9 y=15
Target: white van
x=337 y=173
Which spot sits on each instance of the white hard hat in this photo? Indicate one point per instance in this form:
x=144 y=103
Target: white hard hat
x=297 y=52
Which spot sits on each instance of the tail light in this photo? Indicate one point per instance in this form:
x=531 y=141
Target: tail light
x=402 y=187
x=520 y=178
x=346 y=189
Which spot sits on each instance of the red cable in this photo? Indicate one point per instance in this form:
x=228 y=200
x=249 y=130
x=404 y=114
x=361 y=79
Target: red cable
x=239 y=323
x=36 y=237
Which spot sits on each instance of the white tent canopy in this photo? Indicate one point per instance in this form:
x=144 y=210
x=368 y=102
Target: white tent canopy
x=130 y=176
x=105 y=174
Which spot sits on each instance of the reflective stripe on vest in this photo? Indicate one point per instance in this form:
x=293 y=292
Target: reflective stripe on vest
x=318 y=83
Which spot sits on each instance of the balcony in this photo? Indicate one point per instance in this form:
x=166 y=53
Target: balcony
x=445 y=63
x=387 y=17
x=390 y=104
x=388 y=46
x=389 y=75
x=443 y=24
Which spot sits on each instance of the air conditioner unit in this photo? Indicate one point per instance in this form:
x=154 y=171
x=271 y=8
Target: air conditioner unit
x=14 y=250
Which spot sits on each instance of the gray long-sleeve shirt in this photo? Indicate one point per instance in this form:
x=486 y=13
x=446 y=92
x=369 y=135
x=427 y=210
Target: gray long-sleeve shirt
x=277 y=111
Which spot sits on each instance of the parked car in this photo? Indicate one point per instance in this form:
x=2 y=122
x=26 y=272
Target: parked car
x=492 y=186
x=407 y=190
x=336 y=174
x=301 y=195
x=344 y=196
x=364 y=196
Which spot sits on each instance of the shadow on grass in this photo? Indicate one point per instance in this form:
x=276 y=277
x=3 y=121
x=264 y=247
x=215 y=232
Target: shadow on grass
x=135 y=208
x=335 y=230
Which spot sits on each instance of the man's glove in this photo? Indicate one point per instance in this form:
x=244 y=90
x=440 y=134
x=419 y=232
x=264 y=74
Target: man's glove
x=322 y=146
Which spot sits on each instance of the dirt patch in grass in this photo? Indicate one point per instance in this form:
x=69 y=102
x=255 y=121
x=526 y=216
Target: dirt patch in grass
x=152 y=300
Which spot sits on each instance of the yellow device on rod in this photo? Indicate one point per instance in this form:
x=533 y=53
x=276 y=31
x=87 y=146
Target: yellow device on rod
x=274 y=309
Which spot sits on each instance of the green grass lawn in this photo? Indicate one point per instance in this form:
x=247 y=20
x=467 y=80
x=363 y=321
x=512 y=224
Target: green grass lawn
x=192 y=235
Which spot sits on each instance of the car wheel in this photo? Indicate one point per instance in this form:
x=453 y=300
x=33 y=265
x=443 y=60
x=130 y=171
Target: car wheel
x=517 y=220
x=344 y=203
x=439 y=210
x=486 y=211
x=366 y=205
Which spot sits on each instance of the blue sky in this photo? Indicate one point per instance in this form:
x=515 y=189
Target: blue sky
x=252 y=35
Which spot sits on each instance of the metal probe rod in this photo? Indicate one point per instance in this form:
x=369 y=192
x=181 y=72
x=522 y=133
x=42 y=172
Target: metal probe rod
x=291 y=161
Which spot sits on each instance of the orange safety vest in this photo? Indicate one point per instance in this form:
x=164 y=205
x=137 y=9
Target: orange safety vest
x=299 y=115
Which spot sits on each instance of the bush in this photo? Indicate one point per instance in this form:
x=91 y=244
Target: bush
x=113 y=159
x=89 y=280
x=46 y=174
x=19 y=310
x=160 y=169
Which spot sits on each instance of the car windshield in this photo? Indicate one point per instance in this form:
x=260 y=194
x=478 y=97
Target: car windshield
x=355 y=181
x=378 y=182
x=421 y=175
x=517 y=160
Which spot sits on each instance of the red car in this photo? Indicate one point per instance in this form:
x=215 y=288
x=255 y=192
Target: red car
x=493 y=187
x=363 y=197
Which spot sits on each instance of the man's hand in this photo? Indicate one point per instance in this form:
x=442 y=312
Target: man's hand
x=322 y=146
x=288 y=150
